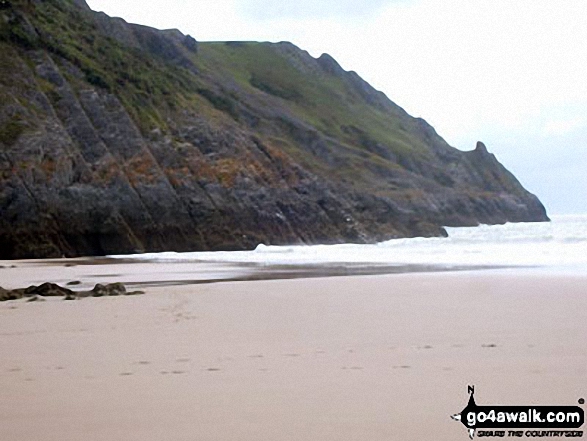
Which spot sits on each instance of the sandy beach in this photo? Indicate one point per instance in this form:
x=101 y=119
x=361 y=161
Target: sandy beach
x=378 y=357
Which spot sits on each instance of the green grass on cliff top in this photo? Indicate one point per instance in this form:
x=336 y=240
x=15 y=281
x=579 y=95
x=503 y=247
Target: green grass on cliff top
x=152 y=90
x=322 y=100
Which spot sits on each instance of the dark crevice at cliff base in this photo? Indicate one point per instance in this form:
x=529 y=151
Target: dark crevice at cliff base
x=119 y=138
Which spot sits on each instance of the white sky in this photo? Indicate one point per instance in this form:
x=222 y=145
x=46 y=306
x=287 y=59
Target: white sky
x=512 y=73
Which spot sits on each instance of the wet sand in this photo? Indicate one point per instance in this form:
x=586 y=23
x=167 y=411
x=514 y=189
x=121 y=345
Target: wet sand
x=380 y=357
x=140 y=273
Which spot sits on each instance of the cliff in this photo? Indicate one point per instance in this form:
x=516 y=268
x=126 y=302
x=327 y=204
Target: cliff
x=119 y=138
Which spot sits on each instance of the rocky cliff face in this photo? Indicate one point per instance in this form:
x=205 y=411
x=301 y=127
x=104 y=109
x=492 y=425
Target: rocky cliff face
x=118 y=138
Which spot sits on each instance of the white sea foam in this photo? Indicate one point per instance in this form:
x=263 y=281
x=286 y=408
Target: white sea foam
x=560 y=244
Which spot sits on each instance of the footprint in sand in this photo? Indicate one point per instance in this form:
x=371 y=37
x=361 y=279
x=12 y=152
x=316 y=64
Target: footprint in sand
x=125 y=374
x=256 y=356
x=213 y=369
x=178 y=372
x=490 y=345
x=143 y=362
x=404 y=366
x=15 y=369
x=291 y=355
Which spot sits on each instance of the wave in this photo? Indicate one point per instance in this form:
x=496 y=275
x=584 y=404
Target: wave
x=561 y=242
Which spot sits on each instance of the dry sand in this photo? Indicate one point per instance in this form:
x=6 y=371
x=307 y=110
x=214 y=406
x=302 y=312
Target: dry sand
x=367 y=358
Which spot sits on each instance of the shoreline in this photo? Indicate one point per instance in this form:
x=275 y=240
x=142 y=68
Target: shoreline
x=145 y=273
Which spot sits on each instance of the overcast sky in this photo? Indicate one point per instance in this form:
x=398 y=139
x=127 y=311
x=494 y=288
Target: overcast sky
x=511 y=73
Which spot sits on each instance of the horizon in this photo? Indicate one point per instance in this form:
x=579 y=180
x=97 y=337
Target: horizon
x=498 y=69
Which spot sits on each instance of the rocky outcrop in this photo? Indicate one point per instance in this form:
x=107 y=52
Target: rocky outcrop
x=35 y=293
x=118 y=138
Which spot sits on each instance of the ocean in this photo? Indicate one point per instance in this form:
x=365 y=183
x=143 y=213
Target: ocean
x=558 y=246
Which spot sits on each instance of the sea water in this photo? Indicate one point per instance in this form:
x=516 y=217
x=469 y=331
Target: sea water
x=559 y=245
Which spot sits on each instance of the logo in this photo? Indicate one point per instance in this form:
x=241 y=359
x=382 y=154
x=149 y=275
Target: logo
x=546 y=421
